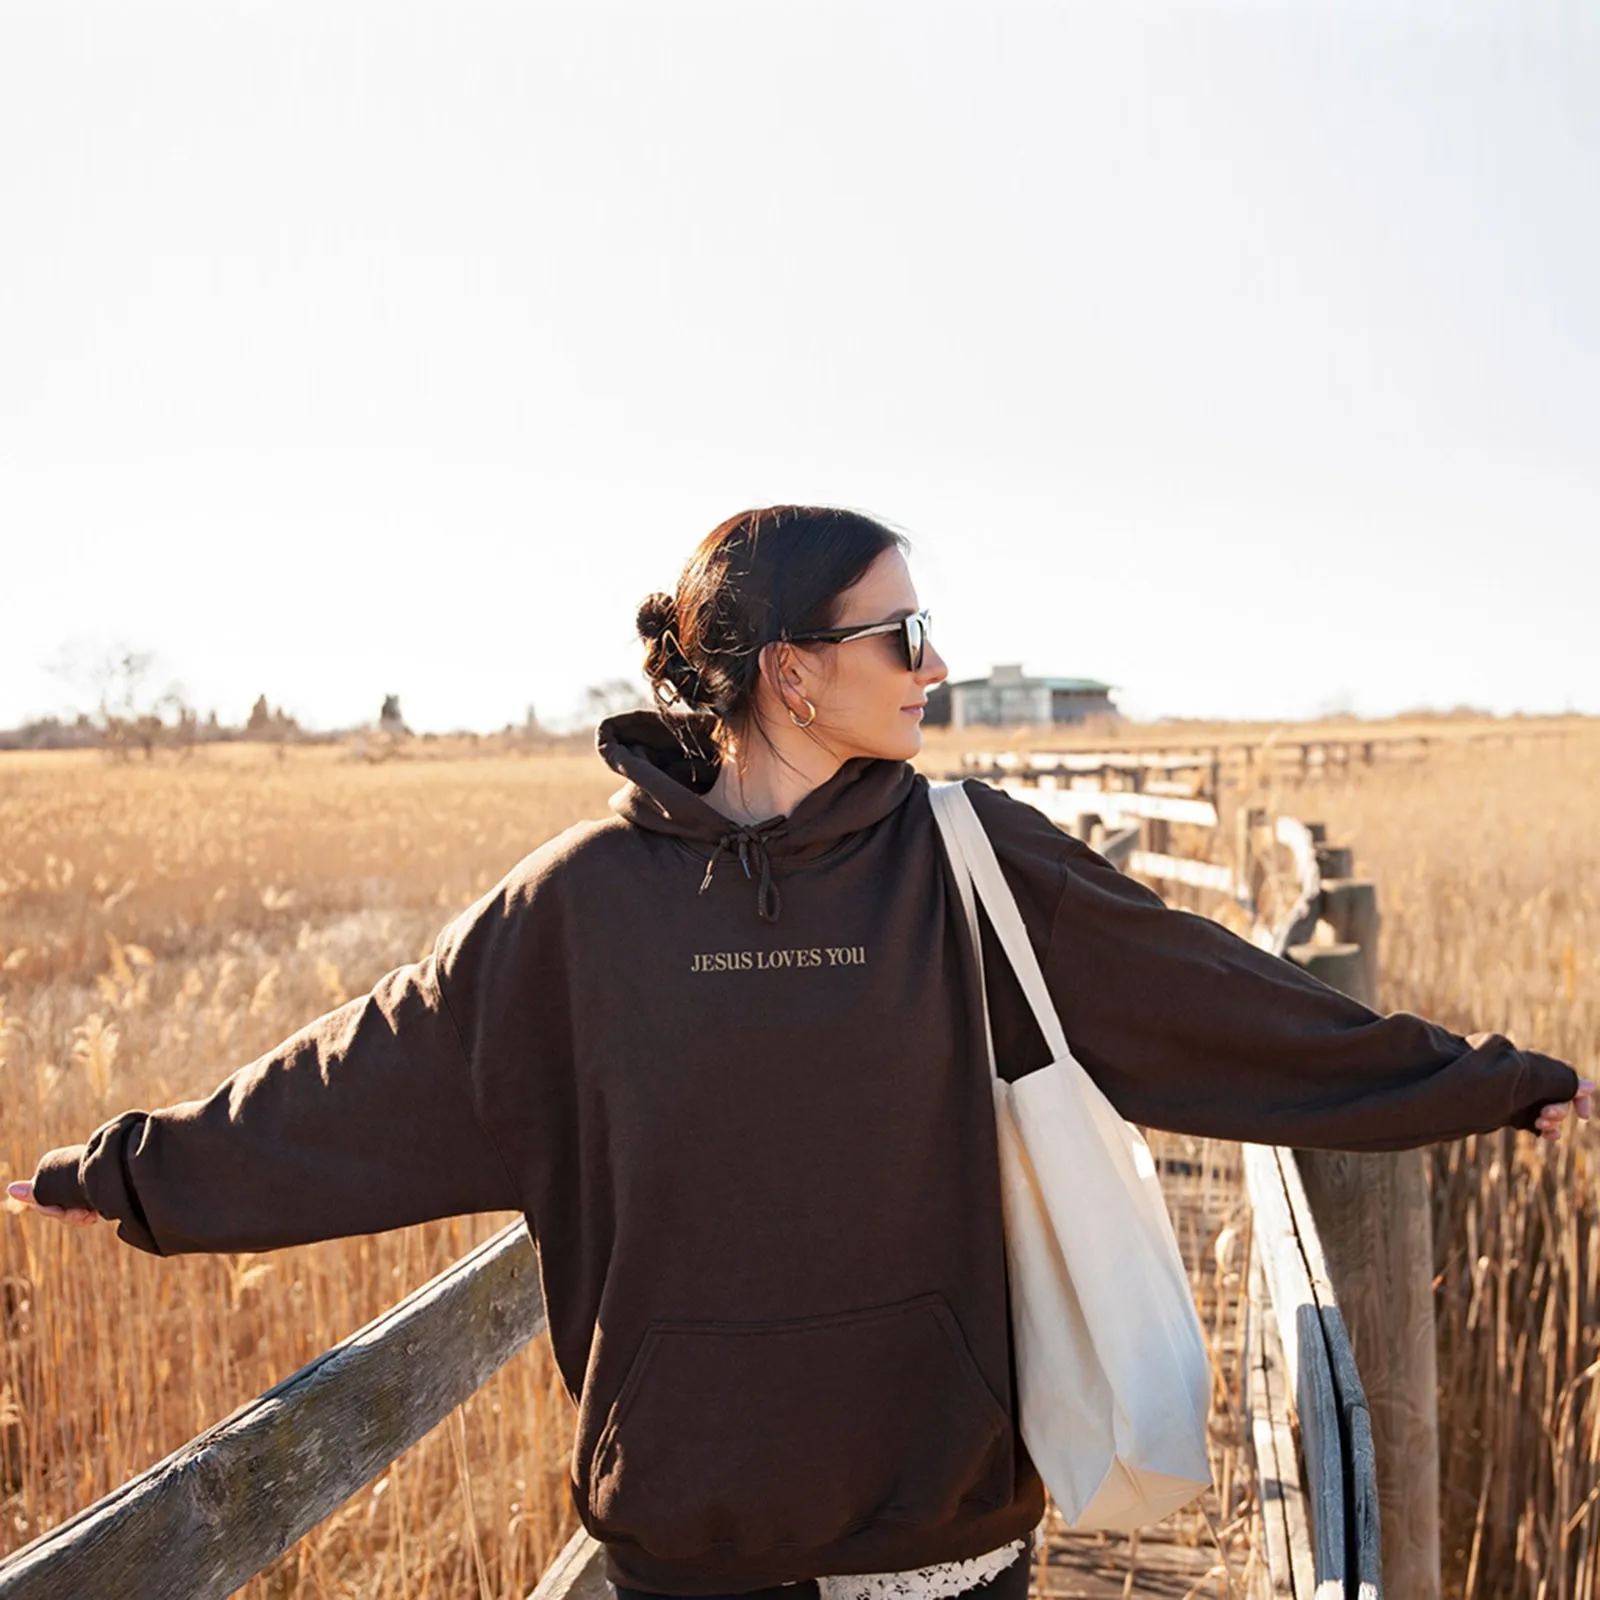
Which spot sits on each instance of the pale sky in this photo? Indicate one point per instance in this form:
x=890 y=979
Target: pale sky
x=1244 y=356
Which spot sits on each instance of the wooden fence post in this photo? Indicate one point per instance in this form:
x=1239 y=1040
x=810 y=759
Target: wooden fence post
x=1248 y=879
x=1372 y=1212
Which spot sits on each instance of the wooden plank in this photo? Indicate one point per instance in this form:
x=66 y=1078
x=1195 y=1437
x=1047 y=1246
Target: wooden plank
x=1081 y=760
x=1297 y=922
x=1280 y=1487
x=1155 y=1566
x=1367 y=1544
x=1362 y=1513
x=225 y=1505
x=578 y=1573
x=1062 y=805
x=1280 y=1223
x=1180 y=869
x=1363 y=1556
x=1301 y=838
x=1361 y=1465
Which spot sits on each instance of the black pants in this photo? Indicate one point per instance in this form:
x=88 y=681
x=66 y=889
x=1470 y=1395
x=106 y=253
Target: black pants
x=1010 y=1584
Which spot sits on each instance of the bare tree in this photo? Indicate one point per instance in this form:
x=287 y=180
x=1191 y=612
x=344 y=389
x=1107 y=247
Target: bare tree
x=125 y=713
x=128 y=711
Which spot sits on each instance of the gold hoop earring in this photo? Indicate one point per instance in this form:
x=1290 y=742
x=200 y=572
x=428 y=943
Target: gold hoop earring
x=809 y=720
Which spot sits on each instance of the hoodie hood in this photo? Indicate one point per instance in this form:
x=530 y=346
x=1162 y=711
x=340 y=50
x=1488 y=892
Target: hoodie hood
x=669 y=762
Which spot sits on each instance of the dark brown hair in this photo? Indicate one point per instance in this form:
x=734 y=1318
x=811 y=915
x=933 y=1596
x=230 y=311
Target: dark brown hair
x=761 y=576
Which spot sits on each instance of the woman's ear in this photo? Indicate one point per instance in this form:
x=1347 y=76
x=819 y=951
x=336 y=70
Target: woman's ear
x=781 y=668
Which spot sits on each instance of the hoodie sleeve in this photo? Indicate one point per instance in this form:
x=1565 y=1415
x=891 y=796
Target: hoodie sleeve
x=1188 y=1027
x=362 y=1121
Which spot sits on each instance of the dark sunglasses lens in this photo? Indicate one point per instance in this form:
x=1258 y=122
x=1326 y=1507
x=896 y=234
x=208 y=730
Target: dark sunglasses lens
x=916 y=638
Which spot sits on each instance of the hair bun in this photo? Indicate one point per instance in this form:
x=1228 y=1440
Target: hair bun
x=673 y=680
x=658 y=613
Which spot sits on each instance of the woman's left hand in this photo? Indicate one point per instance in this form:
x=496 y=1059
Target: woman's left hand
x=1552 y=1118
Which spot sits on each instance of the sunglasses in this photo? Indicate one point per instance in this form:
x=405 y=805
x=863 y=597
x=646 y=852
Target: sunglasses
x=913 y=631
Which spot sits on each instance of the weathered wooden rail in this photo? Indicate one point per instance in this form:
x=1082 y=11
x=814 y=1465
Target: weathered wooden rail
x=1248 y=758
x=224 y=1506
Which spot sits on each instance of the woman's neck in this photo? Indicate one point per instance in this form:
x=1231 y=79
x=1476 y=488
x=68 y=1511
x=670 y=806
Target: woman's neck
x=768 y=787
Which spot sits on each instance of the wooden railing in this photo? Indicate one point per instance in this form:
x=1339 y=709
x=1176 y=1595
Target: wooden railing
x=1246 y=759
x=1341 y=1260
x=1318 y=1495
x=224 y=1506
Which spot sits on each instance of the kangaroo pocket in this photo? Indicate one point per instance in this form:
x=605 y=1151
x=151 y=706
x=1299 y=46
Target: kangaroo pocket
x=762 y=1435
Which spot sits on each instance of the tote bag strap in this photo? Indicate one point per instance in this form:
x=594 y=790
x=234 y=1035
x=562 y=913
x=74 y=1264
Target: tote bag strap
x=943 y=808
x=973 y=857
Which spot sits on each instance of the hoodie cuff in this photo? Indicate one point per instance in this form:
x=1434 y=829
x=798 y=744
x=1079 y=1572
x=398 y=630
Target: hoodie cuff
x=1543 y=1081
x=58 y=1181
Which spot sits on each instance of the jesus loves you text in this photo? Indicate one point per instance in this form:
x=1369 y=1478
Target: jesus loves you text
x=849 y=955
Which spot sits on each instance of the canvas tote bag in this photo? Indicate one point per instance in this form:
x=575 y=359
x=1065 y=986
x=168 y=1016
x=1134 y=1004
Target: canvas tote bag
x=1113 y=1379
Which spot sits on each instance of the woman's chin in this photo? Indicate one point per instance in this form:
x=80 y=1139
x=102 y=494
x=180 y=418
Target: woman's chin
x=907 y=742
x=895 y=743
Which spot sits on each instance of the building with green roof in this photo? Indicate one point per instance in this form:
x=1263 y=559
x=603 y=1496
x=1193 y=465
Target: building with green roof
x=1008 y=698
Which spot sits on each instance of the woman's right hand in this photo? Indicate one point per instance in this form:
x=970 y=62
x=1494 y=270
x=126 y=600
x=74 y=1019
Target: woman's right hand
x=23 y=1191
x=1552 y=1118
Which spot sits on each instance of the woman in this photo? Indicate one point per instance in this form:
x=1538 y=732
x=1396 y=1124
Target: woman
x=722 y=1049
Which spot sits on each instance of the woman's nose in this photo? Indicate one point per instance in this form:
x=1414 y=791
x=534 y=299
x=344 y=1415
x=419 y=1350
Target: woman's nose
x=933 y=669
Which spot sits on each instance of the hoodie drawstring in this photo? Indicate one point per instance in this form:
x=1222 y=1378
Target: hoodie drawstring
x=768 y=900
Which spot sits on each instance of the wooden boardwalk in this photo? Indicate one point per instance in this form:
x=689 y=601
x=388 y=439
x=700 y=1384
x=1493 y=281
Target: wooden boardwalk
x=1081 y=1568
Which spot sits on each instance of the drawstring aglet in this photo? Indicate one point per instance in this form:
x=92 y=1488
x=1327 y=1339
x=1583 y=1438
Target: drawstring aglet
x=746 y=843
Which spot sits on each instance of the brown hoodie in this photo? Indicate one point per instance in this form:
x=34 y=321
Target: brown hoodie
x=735 y=1080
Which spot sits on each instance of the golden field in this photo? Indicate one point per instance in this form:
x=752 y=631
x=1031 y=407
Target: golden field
x=1487 y=861
x=162 y=923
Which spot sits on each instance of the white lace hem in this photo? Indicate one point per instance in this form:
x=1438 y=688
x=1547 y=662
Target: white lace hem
x=937 y=1582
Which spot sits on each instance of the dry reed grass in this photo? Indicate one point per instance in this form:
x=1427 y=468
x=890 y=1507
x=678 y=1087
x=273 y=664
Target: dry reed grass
x=161 y=924
x=158 y=926
x=1488 y=866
